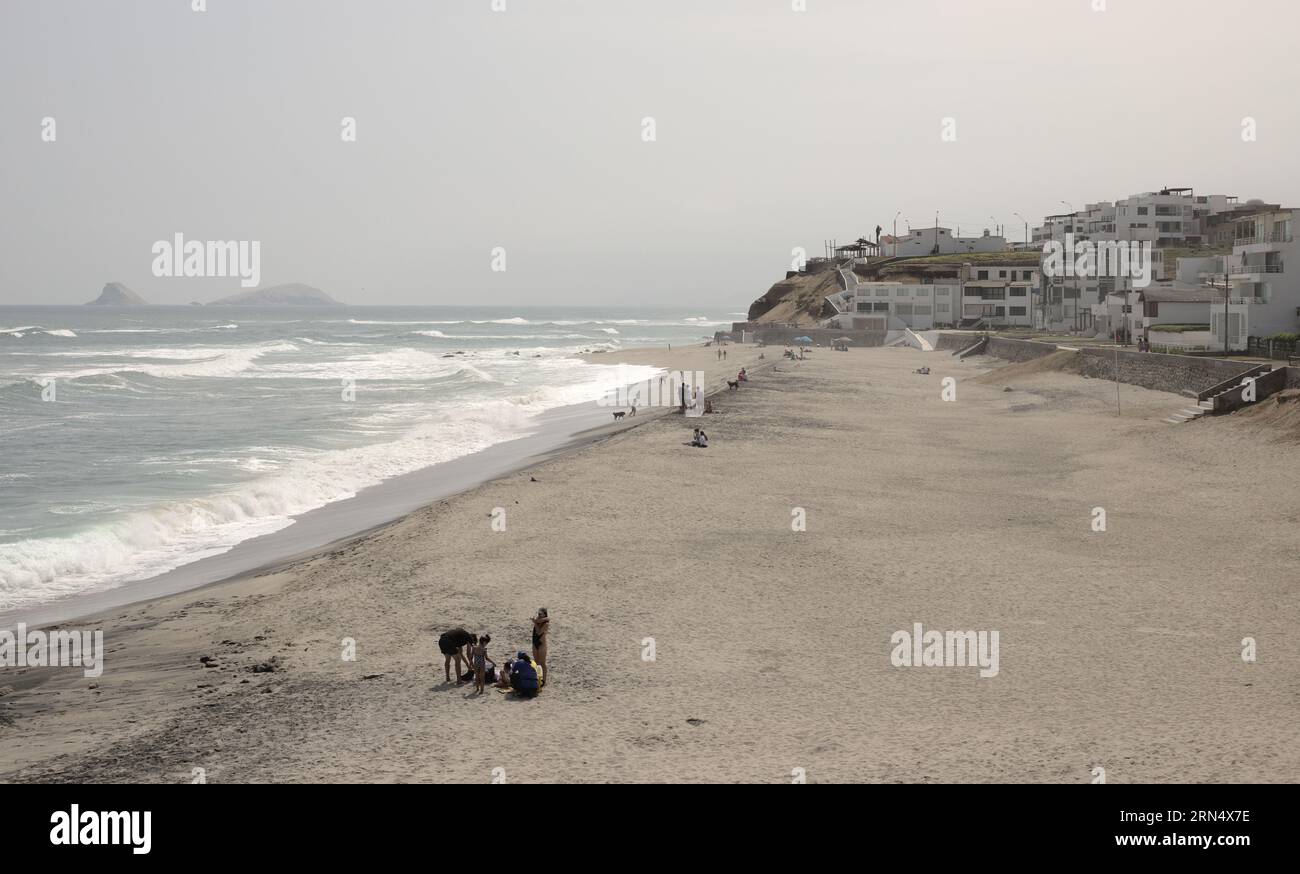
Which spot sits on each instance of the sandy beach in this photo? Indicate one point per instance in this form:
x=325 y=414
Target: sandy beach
x=1119 y=649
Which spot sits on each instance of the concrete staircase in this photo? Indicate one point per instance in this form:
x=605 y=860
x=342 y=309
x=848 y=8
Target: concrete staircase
x=1188 y=414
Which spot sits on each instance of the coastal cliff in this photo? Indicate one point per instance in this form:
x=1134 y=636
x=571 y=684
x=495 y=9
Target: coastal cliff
x=795 y=300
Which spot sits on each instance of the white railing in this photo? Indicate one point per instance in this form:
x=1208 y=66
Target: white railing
x=1273 y=237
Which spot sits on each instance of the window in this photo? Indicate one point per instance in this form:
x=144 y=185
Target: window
x=1153 y=308
x=1027 y=275
x=983 y=274
x=1017 y=311
x=864 y=306
x=941 y=292
x=1142 y=210
x=1002 y=274
x=922 y=309
x=1018 y=291
x=941 y=306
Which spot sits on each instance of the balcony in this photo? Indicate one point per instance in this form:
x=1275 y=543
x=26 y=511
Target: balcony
x=1244 y=270
x=1274 y=237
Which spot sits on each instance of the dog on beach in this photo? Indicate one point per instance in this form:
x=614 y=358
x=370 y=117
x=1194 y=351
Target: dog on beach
x=619 y=415
x=733 y=384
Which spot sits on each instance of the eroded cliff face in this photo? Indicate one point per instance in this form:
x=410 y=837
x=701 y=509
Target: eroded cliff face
x=797 y=300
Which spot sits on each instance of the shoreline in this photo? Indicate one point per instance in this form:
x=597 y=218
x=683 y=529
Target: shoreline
x=559 y=431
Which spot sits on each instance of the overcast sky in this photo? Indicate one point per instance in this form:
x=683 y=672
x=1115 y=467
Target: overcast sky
x=523 y=129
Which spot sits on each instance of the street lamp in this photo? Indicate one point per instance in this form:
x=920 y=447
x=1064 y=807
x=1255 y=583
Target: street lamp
x=1026 y=221
x=896 y=215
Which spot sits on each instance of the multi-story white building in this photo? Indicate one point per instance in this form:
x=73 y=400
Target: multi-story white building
x=1256 y=273
x=885 y=306
x=1167 y=219
x=989 y=295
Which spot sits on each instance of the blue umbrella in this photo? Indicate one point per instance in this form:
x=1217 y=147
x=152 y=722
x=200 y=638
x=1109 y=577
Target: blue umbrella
x=802 y=340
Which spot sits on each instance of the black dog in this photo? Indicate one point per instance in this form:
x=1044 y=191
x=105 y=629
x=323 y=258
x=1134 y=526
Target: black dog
x=733 y=384
x=619 y=415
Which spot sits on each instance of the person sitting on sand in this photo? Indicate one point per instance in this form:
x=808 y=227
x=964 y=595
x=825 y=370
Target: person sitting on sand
x=503 y=675
x=523 y=676
x=541 y=628
x=454 y=644
x=703 y=442
x=481 y=661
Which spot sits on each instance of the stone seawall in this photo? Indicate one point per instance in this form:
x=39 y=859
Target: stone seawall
x=950 y=342
x=1171 y=373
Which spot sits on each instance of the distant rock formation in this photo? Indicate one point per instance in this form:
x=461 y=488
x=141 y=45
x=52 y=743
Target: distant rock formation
x=115 y=294
x=291 y=294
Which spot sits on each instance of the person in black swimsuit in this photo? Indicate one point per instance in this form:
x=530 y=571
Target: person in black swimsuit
x=541 y=628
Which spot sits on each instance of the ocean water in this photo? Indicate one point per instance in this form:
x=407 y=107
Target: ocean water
x=134 y=441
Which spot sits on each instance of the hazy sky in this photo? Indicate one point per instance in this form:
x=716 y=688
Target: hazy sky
x=523 y=129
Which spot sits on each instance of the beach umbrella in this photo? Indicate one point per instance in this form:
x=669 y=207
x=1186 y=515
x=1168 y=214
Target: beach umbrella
x=802 y=340
x=843 y=339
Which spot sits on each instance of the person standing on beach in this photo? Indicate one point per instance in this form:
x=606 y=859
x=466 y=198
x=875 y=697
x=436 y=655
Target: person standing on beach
x=455 y=644
x=481 y=661
x=541 y=630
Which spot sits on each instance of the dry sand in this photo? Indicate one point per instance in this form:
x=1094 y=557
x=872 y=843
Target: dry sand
x=1119 y=648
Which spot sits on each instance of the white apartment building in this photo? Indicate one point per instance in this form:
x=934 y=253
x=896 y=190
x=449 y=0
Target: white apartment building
x=999 y=295
x=887 y=306
x=1256 y=272
x=941 y=241
x=1169 y=218
x=988 y=295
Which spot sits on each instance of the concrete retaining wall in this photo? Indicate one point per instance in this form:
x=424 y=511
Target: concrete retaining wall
x=949 y=342
x=1019 y=350
x=1171 y=373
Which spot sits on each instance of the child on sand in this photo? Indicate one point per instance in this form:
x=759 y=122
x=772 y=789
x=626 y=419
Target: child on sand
x=479 y=654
